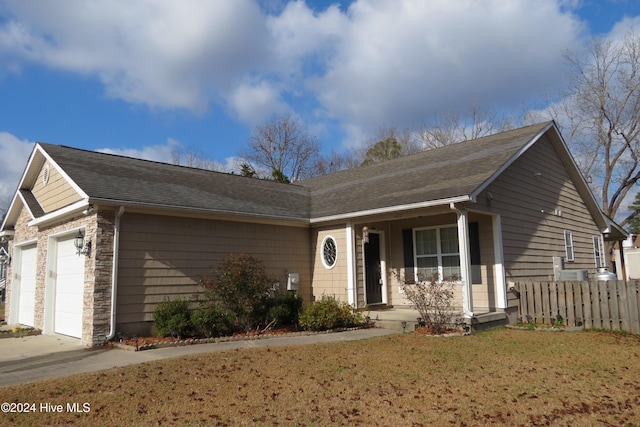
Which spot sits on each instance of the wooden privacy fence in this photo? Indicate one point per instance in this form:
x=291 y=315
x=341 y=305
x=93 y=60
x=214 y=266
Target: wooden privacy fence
x=610 y=305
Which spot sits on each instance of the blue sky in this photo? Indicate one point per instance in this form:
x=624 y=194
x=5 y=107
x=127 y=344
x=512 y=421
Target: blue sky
x=145 y=77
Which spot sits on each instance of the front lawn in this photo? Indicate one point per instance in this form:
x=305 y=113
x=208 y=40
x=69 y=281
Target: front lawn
x=501 y=377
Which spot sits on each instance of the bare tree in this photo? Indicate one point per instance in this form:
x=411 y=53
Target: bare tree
x=194 y=157
x=285 y=145
x=448 y=127
x=600 y=117
x=335 y=162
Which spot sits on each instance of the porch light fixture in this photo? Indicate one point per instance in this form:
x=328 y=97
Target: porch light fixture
x=83 y=248
x=365 y=234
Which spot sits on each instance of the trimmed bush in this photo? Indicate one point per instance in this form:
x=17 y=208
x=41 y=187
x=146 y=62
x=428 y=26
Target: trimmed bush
x=329 y=313
x=239 y=285
x=283 y=308
x=173 y=317
x=210 y=321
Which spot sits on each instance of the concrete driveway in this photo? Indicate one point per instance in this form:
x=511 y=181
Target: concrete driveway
x=39 y=357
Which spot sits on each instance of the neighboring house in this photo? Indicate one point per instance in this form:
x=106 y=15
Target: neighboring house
x=628 y=259
x=491 y=211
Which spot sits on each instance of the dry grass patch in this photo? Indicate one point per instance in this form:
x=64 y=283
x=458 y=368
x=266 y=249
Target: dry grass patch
x=502 y=377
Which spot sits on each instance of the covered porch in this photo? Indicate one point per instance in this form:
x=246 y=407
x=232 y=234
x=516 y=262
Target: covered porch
x=457 y=244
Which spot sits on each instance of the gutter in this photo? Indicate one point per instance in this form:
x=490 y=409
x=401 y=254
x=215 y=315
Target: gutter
x=114 y=273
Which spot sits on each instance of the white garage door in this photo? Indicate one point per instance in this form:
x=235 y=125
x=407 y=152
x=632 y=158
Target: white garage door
x=69 y=290
x=27 y=292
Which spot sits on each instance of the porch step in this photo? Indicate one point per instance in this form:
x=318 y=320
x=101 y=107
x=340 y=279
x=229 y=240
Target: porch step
x=484 y=321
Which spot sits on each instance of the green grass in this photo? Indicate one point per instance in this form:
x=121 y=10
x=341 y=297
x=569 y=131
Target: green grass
x=501 y=377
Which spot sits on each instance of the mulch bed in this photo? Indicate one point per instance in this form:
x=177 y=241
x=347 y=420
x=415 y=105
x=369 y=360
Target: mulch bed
x=148 y=343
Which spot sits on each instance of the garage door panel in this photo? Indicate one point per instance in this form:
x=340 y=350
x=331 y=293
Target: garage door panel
x=27 y=293
x=69 y=290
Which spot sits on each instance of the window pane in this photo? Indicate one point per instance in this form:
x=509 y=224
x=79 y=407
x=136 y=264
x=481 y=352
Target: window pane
x=449 y=240
x=426 y=243
x=451 y=267
x=427 y=267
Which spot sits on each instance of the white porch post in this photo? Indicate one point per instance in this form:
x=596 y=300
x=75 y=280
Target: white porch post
x=501 y=286
x=352 y=292
x=465 y=261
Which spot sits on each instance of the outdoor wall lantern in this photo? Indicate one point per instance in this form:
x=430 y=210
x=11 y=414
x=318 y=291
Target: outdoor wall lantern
x=365 y=234
x=84 y=248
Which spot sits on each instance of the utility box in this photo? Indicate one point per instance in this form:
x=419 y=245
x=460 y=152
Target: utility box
x=293 y=281
x=574 y=275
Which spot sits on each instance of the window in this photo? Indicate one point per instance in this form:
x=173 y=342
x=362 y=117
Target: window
x=437 y=252
x=598 y=251
x=329 y=252
x=568 y=245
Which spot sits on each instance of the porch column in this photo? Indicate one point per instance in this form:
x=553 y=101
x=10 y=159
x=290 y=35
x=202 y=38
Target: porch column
x=501 y=286
x=465 y=261
x=352 y=292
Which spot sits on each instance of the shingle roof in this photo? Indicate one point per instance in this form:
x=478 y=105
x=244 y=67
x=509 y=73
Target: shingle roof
x=126 y=180
x=439 y=174
x=443 y=173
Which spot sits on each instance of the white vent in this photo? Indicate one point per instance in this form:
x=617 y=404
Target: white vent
x=45 y=175
x=579 y=275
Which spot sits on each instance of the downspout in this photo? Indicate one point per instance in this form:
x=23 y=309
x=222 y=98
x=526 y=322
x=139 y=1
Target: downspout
x=114 y=273
x=465 y=262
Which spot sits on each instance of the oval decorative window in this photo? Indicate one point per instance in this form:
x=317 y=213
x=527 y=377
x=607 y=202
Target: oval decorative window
x=329 y=252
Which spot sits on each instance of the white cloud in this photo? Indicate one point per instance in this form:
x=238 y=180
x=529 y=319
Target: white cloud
x=157 y=153
x=254 y=104
x=375 y=63
x=14 y=154
x=161 y=53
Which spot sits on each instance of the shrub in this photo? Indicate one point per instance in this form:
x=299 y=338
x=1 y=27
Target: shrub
x=210 y=321
x=434 y=301
x=283 y=307
x=329 y=313
x=239 y=285
x=173 y=317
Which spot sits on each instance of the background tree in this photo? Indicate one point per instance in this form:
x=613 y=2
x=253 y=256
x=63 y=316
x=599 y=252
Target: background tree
x=634 y=218
x=283 y=144
x=194 y=157
x=600 y=117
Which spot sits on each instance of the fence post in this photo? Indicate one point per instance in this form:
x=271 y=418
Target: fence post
x=586 y=305
x=633 y=302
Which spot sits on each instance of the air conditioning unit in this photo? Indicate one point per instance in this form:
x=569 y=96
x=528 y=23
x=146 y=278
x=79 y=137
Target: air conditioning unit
x=577 y=275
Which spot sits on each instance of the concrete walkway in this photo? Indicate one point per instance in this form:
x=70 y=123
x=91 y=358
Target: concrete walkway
x=40 y=357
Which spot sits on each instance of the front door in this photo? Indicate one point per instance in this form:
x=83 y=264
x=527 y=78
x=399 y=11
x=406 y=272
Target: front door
x=373 y=269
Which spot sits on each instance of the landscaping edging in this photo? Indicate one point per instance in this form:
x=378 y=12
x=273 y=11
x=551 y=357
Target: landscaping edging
x=194 y=341
x=19 y=332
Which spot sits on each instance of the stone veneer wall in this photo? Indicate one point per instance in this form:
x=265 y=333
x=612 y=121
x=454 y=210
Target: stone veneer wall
x=100 y=304
x=97 y=274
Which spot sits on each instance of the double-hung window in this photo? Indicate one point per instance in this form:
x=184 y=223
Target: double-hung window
x=437 y=253
x=568 y=245
x=598 y=251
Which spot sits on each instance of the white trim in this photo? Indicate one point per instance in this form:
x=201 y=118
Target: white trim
x=465 y=261
x=77 y=207
x=352 y=291
x=62 y=173
x=498 y=265
x=569 y=244
x=438 y=255
x=391 y=209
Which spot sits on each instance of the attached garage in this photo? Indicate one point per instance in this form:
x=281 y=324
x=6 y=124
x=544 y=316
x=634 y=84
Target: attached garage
x=27 y=285
x=69 y=289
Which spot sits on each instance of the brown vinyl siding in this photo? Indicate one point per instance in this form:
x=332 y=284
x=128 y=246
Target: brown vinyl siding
x=56 y=193
x=165 y=256
x=526 y=196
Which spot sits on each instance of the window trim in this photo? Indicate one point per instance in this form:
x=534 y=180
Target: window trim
x=598 y=251
x=439 y=255
x=569 y=248
x=323 y=252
